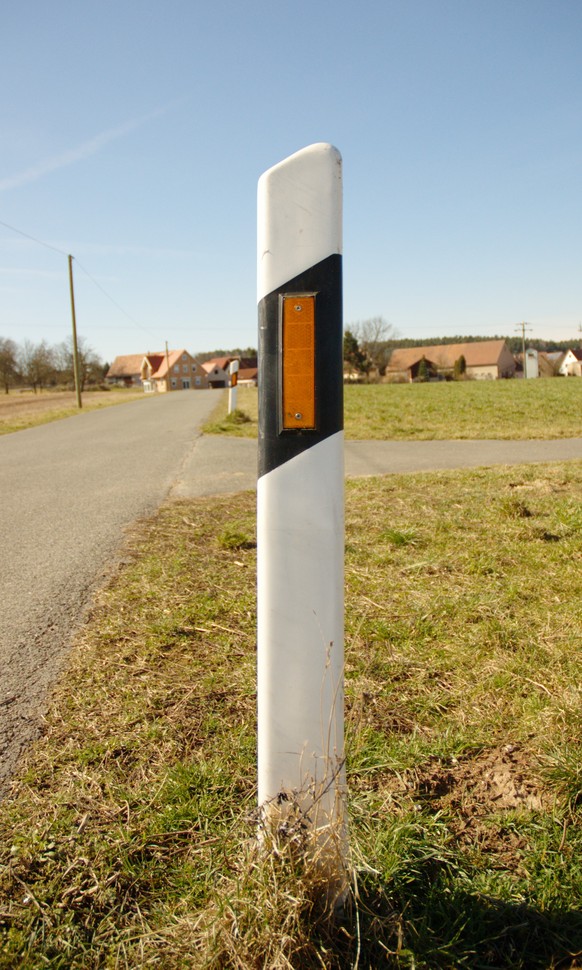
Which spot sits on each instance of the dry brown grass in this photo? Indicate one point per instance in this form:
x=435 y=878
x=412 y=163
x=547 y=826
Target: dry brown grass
x=131 y=837
x=26 y=409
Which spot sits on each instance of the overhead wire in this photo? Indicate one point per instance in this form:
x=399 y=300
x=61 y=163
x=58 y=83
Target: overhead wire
x=61 y=252
x=111 y=300
x=27 y=235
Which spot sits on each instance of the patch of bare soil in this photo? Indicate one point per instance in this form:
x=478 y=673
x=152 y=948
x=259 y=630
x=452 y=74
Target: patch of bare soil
x=475 y=791
x=496 y=780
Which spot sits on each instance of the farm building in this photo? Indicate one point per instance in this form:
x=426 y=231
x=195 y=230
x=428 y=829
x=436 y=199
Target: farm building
x=484 y=360
x=175 y=370
x=538 y=363
x=216 y=370
x=566 y=363
x=125 y=371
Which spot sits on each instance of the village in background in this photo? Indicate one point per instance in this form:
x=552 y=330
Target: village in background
x=372 y=350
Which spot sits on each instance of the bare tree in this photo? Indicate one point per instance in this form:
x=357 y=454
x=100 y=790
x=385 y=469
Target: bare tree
x=8 y=365
x=36 y=364
x=90 y=364
x=373 y=336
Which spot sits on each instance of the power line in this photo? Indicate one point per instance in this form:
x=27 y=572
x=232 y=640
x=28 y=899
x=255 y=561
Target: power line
x=111 y=300
x=61 y=252
x=33 y=238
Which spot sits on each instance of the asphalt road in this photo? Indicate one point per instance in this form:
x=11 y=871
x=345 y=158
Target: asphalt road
x=68 y=490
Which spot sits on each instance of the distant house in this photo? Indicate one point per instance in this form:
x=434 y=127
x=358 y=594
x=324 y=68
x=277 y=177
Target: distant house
x=216 y=370
x=537 y=364
x=125 y=371
x=546 y=363
x=248 y=373
x=568 y=365
x=484 y=360
x=175 y=371
x=217 y=374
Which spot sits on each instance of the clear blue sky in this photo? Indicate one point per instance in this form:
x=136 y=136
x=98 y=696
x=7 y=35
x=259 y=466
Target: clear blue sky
x=133 y=135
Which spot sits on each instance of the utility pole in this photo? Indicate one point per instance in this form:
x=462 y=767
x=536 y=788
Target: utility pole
x=522 y=326
x=75 y=350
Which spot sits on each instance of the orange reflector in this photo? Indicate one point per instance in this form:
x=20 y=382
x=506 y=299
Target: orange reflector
x=234 y=379
x=298 y=362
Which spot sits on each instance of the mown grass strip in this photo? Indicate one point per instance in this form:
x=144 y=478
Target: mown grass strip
x=512 y=409
x=129 y=838
x=19 y=411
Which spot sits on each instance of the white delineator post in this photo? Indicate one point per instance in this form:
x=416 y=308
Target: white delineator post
x=300 y=500
x=232 y=390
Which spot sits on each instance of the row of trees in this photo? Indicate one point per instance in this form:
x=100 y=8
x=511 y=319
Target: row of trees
x=41 y=365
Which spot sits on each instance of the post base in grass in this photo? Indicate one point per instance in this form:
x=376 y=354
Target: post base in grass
x=314 y=833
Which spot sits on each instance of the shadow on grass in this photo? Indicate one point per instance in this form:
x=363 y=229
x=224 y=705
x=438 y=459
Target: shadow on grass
x=429 y=923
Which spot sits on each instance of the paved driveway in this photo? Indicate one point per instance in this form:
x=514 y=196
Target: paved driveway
x=229 y=464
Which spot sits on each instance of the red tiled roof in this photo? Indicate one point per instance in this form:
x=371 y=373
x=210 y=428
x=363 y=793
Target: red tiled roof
x=248 y=373
x=155 y=361
x=158 y=362
x=481 y=353
x=126 y=366
x=220 y=362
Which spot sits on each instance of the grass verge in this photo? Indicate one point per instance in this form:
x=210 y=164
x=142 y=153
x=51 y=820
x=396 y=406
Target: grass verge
x=27 y=410
x=513 y=409
x=128 y=840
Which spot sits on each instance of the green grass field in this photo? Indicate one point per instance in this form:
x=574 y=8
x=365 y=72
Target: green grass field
x=470 y=409
x=446 y=410
x=129 y=839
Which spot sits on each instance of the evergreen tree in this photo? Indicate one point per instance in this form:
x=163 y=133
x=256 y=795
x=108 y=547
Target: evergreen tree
x=354 y=355
x=423 y=372
x=460 y=368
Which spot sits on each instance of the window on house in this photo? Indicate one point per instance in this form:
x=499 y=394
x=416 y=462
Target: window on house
x=176 y=368
x=193 y=368
x=184 y=356
x=185 y=368
x=174 y=382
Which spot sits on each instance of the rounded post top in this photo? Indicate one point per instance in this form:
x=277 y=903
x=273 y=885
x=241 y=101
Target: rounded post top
x=299 y=214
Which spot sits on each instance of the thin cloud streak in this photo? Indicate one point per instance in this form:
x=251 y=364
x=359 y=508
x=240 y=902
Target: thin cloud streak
x=119 y=249
x=47 y=274
x=85 y=150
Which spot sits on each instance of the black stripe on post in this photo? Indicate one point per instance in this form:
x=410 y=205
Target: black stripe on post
x=275 y=445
